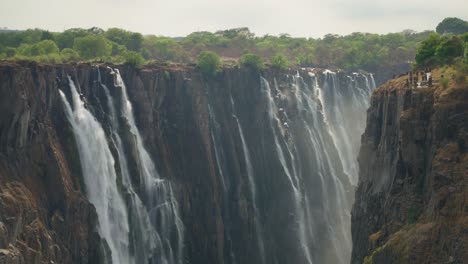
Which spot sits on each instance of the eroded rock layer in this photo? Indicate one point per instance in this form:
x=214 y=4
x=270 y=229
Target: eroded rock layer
x=411 y=203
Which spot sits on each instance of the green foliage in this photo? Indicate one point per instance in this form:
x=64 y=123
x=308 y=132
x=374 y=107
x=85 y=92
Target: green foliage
x=385 y=54
x=46 y=35
x=163 y=48
x=131 y=40
x=280 y=62
x=9 y=52
x=439 y=50
x=134 y=58
x=92 y=46
x=426 y=51
x=253 y=61
x=118 y=49
x=465 y=53
x=444 y=82
x=47 y=47
x=67 y=38
x=448 y=49
x=209 y=63
x=68 y=54
x=452 y=25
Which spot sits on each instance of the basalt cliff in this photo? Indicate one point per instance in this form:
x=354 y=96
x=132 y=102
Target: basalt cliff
x=411 y=201
x=106 y=164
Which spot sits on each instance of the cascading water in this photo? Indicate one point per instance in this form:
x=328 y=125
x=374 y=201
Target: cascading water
x=301 y=169
x=158 y=195
x=139 y=227
x=100 y=177
x=323 y=128
x=252 y=186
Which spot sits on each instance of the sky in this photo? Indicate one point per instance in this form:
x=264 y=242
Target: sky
x=299 y=18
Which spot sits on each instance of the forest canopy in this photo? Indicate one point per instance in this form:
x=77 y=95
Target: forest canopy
x=393 y=52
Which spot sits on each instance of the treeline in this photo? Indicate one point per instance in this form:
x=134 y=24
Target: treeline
x=443 y=49
x=356 y=51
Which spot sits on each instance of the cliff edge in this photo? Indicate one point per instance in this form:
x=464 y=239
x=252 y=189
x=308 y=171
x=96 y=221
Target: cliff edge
x=411 y=201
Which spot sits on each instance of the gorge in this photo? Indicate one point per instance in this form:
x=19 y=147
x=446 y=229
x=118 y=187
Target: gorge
x=109 y=164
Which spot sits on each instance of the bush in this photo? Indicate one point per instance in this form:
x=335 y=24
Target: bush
x=47 y=47
x=134 y=58
x=253 y=61
x=279 y=61
x=448 y=49
x=425 y=55
x=92 y=46
x=68 y=54
x=9 y=52
x=444 y=82
x=209 y=63
x=465 y=53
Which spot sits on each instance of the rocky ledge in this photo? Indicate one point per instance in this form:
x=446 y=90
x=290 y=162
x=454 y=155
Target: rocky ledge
x=412 y=200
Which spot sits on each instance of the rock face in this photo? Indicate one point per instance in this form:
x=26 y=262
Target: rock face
x=255 y=163
x=411 y=202
x=44 y=215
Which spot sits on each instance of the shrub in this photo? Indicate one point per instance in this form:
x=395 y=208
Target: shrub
x=92 y=46
x=465 y=53
x=9 y=52
x=253 y=61
x=444 y=82
x=47 y=47
x=448 y=49
x=134 y=58
x=69 y=55
x=279 y=61
x=209 y=63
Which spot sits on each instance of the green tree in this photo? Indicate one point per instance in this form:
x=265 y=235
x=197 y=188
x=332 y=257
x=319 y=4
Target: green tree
x=67 y=38
x=31 y=36
x=209 y=63
x=452 y=25
x=131 y=40
x=9 y=52
x=253 y=61
x=448 y=49
x=425 y=55
x=46 y=35
x=279 y=61
x=47 y=47
x=134 y=58
x=68 y=54
x=92 y=46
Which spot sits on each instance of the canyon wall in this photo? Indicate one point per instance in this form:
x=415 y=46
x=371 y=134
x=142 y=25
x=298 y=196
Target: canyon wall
x=411 y=201
x=164 y=165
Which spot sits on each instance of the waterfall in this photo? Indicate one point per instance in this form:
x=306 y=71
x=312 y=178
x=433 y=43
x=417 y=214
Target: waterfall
x=158 y=194
x=139 y=220
x=301 y=169
x=252 y=185
x=344 y=109
x=276 y=124
x=100 y=177
x=320 y=128
x=143 y=237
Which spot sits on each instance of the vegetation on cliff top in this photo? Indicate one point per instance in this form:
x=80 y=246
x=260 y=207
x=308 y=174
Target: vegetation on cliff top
x=355 y=51
x=386 y=54
x=446 y=47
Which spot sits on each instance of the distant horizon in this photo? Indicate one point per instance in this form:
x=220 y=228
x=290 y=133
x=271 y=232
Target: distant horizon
x=214 y=31
x=178 y=18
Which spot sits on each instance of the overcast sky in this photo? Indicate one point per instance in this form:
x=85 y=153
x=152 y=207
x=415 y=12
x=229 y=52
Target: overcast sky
x=305 y=18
